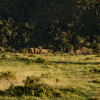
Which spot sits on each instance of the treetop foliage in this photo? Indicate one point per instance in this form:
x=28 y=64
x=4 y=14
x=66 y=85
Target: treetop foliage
x=56 y=25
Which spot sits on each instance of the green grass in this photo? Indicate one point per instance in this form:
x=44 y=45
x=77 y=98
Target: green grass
x=59 y=71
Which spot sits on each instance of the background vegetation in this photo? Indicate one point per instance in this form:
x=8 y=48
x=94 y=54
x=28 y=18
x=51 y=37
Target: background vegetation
x=61 y=25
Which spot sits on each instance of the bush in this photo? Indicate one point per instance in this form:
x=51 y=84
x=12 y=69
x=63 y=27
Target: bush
x=96 y=81
x=86 y=51
x=2 y=49
x=23 y=50
x=33 y=88
x=10 y=49
x=73 y=90
x=40 y=89
x=15 y=90
x=95 y=70
x=71 y=52
x=30 y=81
x=7 y=75
x=6 y=56
x=93 y=99
x=58 y=93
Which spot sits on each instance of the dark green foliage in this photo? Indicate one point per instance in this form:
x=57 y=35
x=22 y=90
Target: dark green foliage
x=33 y=88
x=15 y=90
x=95 y=70
x=96 y=81
x=31 y=81
x=2 y=93
x=23 y=50
x=55 y=25
x=7 y=75
x=93 y=99
x=88 y=58
x=73 y=90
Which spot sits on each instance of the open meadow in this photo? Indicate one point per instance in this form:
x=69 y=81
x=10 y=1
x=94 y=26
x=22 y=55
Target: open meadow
x=49 y=77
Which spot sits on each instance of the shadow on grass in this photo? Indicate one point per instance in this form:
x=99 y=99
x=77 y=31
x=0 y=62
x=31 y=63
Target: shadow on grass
x=2 y=93
x=63 y=62
x=16 y=60
x=79 y=63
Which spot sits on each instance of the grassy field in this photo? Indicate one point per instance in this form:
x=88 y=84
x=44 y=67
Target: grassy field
x=81 y=74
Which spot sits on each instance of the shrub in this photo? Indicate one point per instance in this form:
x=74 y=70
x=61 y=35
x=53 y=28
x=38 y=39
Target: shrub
x=96 y=81
x=15 y=90
x=93 y=99
x=23 y=50
x=30 y=81
x=86 y=51
x=7 y=75
x=73 y=90
x=47 y=90
x=71 y=52
x=88 y=58
x=58 y=93
x=33 y=88
x=2 y=49
x=10 y=90
x=6 y=56
x=10 y=49
x=95 y=70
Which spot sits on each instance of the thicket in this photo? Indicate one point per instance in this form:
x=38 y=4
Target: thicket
x=58 y=25
x=7 y=75
x=33 y=88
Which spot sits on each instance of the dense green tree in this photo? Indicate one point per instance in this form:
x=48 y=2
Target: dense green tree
x=58 y=25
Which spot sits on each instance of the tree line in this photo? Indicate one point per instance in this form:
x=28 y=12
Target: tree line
x=59 y=25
